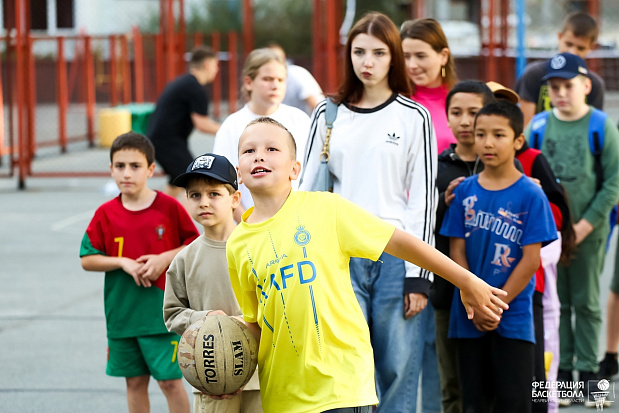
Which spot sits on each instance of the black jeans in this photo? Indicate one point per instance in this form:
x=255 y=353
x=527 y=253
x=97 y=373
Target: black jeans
x=496 y=374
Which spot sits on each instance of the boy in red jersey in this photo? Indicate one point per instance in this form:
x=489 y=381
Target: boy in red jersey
x=133 y=238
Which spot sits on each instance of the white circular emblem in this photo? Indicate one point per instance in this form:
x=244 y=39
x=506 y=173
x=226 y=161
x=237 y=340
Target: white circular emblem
x=557 y=62
x=603 y=384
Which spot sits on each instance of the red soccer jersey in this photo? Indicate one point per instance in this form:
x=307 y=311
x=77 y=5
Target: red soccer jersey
x=115 y=231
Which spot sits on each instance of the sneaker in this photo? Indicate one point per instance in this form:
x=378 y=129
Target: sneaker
x=564 y=376
x=608 y=366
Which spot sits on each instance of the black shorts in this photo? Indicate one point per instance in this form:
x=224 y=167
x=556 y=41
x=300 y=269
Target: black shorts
x=173 y=156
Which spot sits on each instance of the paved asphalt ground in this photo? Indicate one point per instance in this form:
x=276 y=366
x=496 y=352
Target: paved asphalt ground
x=52 y=328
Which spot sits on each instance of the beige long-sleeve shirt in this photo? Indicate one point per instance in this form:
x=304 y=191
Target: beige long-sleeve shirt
x=196 y=282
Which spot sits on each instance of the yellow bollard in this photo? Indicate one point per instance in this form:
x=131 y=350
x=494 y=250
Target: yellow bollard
x=113 y=122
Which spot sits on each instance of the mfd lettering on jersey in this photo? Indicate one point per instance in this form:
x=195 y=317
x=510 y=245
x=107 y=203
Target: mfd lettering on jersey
x=505 y=223
x=281 y=274
x=304 y=271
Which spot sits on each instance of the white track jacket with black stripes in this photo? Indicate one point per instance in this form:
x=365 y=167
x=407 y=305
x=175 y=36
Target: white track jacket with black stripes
x=384 y=160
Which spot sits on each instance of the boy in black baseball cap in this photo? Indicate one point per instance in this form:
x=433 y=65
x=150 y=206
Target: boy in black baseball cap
x=197 y=281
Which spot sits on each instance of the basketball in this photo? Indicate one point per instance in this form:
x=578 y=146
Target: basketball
x=217 y=355
x=603 y=384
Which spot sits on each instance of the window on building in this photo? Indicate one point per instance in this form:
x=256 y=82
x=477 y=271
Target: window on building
x=38 y=14
x=39 y=17
x=8 y=14
x=64 y=14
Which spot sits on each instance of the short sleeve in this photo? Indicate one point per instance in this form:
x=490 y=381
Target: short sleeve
x=309 y=86
x=244 y=290
x=198 y=101
x=540 y=224
x=187 y=229
x=360 y=233
x=87 y=249
x=93 y=242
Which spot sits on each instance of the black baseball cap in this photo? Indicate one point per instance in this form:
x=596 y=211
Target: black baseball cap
x=209 y=164
x=565 y=66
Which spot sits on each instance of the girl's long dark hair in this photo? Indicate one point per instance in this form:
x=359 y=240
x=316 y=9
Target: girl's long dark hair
x=380 y=26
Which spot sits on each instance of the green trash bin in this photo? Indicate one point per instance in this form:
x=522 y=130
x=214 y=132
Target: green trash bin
x=140 y=115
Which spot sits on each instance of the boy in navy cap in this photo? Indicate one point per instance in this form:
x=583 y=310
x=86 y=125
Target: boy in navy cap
x=591 y=181
x=197 y=281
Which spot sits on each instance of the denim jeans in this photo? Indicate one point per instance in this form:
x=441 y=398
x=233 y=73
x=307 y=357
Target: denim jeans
x=402 y=348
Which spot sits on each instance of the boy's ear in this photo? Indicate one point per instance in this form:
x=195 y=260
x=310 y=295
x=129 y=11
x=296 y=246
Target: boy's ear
x=519 y=141
x=239 y=177
x=588 y=85
x=151 y=170
x=236 y=199
x=295 y=171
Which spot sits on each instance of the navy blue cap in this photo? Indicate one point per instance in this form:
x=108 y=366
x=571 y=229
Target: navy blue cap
x=209 y=164
x=565 y=66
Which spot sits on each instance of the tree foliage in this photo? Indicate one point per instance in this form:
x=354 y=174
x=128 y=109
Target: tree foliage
x=287 y=22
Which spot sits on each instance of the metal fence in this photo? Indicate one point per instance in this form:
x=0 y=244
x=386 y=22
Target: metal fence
x=77 y=76
x=53 y=85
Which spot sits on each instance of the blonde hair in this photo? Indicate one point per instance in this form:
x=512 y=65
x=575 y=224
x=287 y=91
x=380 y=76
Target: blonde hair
x=268 y=120
x=254 y=61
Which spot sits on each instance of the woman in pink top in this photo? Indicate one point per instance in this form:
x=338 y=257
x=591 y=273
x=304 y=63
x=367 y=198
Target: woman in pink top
x=431 y=69
x=430 y=66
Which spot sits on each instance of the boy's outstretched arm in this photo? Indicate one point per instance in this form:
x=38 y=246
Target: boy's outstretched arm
x=476 y=294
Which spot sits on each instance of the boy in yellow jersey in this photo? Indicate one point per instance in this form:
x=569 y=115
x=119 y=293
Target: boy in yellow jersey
x=289 y=266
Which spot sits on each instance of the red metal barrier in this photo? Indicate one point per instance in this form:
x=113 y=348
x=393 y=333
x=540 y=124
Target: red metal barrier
x=30 y=101
x=3 y=150
x=126 y=69
x=58 y=90
x=113 y=71
x=216 y=45
x=233 y=77
x=138 y=55
x=89 y=84
x=62 y=95
x=22 y=80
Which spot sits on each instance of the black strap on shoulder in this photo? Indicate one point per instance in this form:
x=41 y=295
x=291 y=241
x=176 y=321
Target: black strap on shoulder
x=597 y=159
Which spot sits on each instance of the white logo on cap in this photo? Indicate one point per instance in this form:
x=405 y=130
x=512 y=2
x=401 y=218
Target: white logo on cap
x=557 y=62
x=203 y=162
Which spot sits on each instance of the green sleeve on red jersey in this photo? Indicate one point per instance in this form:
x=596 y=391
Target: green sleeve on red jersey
x=87 y=248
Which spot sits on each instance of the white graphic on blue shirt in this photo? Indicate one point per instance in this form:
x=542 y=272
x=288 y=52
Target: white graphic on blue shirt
x=495 y=226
